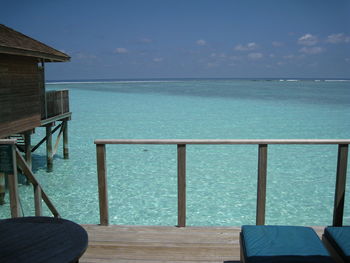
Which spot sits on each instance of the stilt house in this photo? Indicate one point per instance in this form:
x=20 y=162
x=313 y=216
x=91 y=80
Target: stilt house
x=24 y=102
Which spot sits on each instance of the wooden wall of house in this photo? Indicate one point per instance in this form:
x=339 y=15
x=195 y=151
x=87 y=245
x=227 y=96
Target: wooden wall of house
x=20 y=102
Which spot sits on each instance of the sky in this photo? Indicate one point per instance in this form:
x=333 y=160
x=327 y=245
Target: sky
x=143 y=39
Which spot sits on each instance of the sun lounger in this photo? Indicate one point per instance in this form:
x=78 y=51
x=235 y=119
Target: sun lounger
x=282 y=244
x=337 y=240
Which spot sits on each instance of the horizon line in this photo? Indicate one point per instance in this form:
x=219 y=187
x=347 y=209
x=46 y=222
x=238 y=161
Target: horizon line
x=53 y=81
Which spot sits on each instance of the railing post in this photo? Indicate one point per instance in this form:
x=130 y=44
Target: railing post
x=261 y=193
x=181 y=185
x=102 y=183
x=31 y=177
x=8 y=165
x=37 y=200
x=340 y=185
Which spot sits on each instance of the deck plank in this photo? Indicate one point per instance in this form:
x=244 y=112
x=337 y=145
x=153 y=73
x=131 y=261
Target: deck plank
x=155 y=244
x=147 y=244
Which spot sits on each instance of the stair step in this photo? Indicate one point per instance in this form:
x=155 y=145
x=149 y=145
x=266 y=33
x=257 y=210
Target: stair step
x=19 y=138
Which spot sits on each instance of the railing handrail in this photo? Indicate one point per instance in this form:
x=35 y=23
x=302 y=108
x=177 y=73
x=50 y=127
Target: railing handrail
x=16 y=160
x=55 y=102
x=339 y=196
x=222 y=141
x=58 y=90
x=39 y=193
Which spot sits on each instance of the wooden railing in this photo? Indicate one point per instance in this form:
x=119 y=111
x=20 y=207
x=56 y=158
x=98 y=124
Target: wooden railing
x=56 y=102
x=11 y=159
x=338 y=210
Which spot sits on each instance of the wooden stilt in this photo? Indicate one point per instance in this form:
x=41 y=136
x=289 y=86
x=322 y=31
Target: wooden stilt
x=57 y=141
x=2 y=188
x=8 y=167
x=65 y=140
x=13 y=186
x=28 y=147
x=44 y=139
x=49 y=155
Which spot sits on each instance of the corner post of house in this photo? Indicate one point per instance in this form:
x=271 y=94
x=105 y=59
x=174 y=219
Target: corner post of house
x=49 y=152
x=65 y=140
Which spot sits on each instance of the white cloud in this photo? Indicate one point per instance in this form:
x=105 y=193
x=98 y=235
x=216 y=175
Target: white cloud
x=311 y=50
x=201 y=42
x=121 y=50
x=157 y=60
x=146 y=40
x=212 y=65
x=291 y=56
x=277 y=44
x=255 y=55
x=308 y=40
x=81 y=55
x=338 y=38
x=247 y=47
x=218 y=55
x=234 y=58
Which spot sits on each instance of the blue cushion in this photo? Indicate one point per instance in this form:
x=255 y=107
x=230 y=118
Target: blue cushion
x=339 y=237
x=283 y=244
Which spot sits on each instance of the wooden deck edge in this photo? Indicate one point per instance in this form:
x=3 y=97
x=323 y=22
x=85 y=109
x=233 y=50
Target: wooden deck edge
x=167 y=244
x=66 y=115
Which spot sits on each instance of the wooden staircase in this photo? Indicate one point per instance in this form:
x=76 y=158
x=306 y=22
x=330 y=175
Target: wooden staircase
x=20 y=141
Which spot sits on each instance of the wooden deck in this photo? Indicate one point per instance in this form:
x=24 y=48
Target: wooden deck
x=147 y=244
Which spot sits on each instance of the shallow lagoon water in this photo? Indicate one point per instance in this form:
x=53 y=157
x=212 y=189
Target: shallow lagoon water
x=221 y=180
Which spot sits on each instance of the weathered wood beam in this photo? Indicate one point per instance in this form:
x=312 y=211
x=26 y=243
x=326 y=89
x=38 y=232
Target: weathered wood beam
x=340 y=184
x=27 y=147
x=102 y=184
x=63 y=116
x=181 y=185
x=58 y=140
x=261 y=185
x=213 y=141
x=13 y=187
x=32 y=179
x=65 y=140
x=37 y=200
x=44 y=139
x=49 y=155
x=2 y=188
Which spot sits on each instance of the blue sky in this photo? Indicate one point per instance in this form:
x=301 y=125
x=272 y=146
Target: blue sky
x=189 y=38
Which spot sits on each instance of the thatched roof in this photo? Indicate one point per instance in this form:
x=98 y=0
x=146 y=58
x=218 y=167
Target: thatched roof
x=15 y=43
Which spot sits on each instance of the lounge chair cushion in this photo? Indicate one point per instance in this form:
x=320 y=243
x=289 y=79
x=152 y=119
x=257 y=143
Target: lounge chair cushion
x=339 y=237
x=283 y=244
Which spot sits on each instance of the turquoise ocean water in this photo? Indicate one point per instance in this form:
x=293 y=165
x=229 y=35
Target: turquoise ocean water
x=221 y=180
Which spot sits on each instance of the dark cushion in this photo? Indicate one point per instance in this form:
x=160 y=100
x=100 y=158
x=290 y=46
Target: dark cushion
x=282 y=244
x=339 y=237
